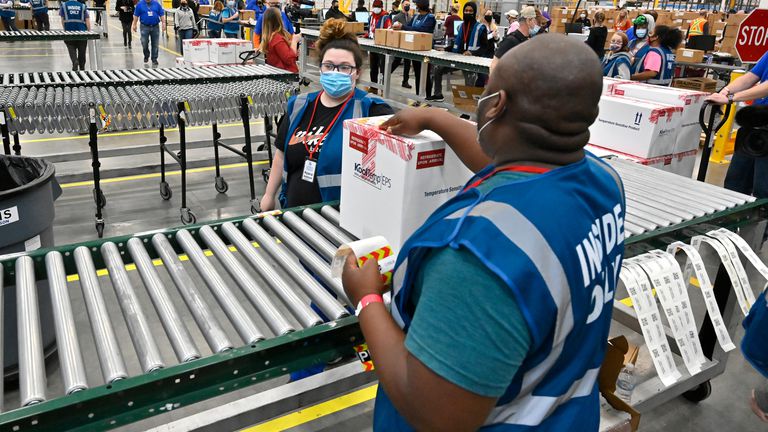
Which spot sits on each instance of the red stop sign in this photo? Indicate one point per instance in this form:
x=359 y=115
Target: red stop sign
x=752 y=39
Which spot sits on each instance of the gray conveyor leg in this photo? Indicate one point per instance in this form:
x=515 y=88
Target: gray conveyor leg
x=31 y=363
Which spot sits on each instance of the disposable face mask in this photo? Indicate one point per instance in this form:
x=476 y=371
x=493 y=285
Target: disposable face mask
x=641 y=33
x=407 y=8
x=336 y=84
x=481 y=100
x=377 y=10
x=583 y=16
x=488 y=18
x=535 y=30
x=615 y=47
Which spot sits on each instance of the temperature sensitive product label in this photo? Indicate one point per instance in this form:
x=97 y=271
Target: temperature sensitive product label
x=9 y=215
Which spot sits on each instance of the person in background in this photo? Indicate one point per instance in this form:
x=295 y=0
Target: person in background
x=184 y=24
x=471 y=40
x=583 y=19
x=640 y=31
x=653 y=14
x=230 y=16
x=530 y=23
x=423 y=22
x=525 y=352
x=512 y=16
x=306 y=168
x=334 y=12
x=40 y=14
x=8 y=15
x=99 y=4
x=618 y=63
x=699 y=26
x=657 y=65
x=74 y=17
x=490 y=27
x=125 y=10
x=395 y=9
x=214 y=20
x=379 y=20
x=546 y=23
x=287 y=24
x=450 y=27
x=361 y=6
x=404 y=18
x=623 y=23
x=597 y=35
x=747 y=174
x=150 y=14
x=257 y=6
x=280 y=47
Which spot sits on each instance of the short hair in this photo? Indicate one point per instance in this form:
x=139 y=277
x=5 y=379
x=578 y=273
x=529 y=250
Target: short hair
x=599 y=17
x=624 y=41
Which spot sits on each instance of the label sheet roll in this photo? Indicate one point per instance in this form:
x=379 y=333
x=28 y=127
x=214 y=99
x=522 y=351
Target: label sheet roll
x=369 y=248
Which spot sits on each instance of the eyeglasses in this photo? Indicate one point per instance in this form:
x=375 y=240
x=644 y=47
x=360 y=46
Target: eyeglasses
x=343 y=68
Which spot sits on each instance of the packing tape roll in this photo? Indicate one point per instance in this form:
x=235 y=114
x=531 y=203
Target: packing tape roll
x=369 y=248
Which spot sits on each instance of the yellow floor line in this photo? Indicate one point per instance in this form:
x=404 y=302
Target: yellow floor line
x=157 y=175
x=316 y=411
x=129 y=133
x=169 y=50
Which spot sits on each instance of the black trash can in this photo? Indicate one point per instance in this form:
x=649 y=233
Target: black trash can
x=28 y=189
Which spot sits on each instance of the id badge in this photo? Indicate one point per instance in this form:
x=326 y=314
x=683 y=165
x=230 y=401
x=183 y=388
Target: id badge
x=310 y=167
x=149 y=13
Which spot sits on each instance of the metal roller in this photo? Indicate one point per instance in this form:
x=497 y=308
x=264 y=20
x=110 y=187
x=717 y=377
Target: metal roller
x=330 y=306
x=180 y=338
x=210 y=327
x=271 y=315
x=243 y=324
x=331 y=214
x=31 y=362
x=112 y=365
x=318 y=242
x=70 y=355
x=326 y=228
x=303 y=313
x=138 y=327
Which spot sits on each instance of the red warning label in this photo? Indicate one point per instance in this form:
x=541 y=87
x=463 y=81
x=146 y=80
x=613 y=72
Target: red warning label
x=431 y=158
x=358 y=142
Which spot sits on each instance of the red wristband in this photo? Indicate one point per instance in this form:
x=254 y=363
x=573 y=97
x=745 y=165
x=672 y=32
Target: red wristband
x=365 y=301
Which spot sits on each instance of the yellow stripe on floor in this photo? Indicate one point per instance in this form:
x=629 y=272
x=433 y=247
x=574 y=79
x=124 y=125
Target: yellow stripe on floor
x=157 y=175
x=315 y=412
x=129 y=133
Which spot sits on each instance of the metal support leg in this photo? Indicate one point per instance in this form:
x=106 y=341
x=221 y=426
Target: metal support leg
x=423 y=78
x=303 y=54
x=187 y=217
x=16 y=144
x=248 y=150
x=165 y=189
x=268 y=145
x=98 y=195
x=4 y=133
x=388 y=60
x=220 y=184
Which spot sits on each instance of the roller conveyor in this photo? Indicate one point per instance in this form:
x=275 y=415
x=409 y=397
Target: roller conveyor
x=50 y=35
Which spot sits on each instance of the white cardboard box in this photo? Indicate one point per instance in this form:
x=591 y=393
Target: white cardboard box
x=634 y=127
x=196 y=50
x=690 y=101
x=610 y=83
x=684 y=163
x=224 y=51
x=660 y=162
x=180 y=63
x=391 y=184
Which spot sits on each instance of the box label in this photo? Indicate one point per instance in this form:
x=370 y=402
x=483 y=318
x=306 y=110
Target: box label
x=430 y=159
x=9 y=215
x=358 y=142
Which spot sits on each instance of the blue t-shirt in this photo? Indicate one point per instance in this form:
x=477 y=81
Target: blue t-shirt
x=149 y=14
x=631 y=34
x=286 y=23
x=761 y=70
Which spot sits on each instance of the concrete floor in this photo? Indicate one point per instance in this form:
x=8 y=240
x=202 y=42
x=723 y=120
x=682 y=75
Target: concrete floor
x=134 y=206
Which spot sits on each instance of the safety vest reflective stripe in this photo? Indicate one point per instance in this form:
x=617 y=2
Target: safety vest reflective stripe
x=697 y=27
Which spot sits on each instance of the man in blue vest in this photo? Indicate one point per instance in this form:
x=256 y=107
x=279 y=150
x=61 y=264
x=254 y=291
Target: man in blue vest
x=424 y=22
x=151 y=15
x=8 y=15
x=501 y=303
x=40 y=14
x=74 y=17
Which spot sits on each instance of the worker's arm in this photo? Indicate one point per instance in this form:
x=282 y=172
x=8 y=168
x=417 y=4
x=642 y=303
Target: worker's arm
x=267 y=202
x=87 y=21
x=135 y=23
x=459 y=134
x=742 y=88
x=162 y=20
x=645 y=75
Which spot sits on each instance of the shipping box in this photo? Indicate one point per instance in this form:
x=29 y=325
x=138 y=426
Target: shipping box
x=393 y=38
x=380 y=37
x=707 y=85
x=736 y=19
x=224 y=51
x=635 y=127
x=196 y=50
x=415 y=41
x=354 y=27
x=689 y=55
x=465 y=97
x=391 y=184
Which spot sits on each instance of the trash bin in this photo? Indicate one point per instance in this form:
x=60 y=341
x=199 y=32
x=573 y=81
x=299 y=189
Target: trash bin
x=28 y=189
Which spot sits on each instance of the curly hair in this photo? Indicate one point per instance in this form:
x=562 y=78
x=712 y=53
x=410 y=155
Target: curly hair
x=668 y=36
x=333 y=35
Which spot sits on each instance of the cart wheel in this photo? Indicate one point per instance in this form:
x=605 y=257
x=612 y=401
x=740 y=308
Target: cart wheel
x=100 y=228
x=100 y=199
x=221 y=185
x=265 y=175
x=165 y=191
x=255 y=209
x=700 y=393
x=187 y=217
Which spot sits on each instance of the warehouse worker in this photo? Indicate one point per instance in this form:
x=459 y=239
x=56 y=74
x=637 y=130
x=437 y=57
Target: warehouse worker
x=184 y=24
x=151 y=15
x=623 y=24
x=335 y=13
x=230 y=16
x=287 y=24
x=40 y=14
x=125 y=10
x=530 y=23
x=657 y=65
x=214 y=20
x=404 y=17
x=8 y=15
x=747 y=174
x=638 y=36
x=379 y=20
x=618 y=63
x=512 y=16
x=74 y=17
x=308 y=161
x=699 y=26
x=498 y=320
x=424 y=22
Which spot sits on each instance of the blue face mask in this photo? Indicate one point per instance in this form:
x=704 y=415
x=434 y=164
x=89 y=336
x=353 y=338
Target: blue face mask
x=641 y=33
x=336 y=84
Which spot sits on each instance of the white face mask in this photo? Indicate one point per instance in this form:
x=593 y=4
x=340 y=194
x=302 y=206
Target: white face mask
x=377 y=10
x=583 y=15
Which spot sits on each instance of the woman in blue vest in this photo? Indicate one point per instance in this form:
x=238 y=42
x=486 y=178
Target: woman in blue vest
x=8 y=15
x=657 y=65
x=307 y=163
x=230 y=17
x=618 y=64
x=74 y=17
x=40 y=14
x=214 y=20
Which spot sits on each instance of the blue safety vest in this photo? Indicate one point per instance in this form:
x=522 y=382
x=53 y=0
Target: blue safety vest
x=7 y=13
x=75 y=14
x=755 y=342
x=562 y=271
x=611 y=64
x=232 y=27
x=380 y=21
x=329 y=160
x=475 y=37
x=667 y=71
x=39 y=7
x=214 y=20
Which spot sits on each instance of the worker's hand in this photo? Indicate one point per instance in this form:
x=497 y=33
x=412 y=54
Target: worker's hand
x=409 y=122
x=467 y=53
x=360 y=281
x=755 y=408
x=133 y=28
x=718 y=98
x=267 y=203
x=296 y=38
x=397 y=26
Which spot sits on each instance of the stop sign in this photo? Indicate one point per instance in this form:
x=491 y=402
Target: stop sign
x=752 y=39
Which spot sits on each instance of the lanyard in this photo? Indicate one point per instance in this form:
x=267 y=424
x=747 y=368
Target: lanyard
x=466 y=36
x=327 y=129
x=517 y=168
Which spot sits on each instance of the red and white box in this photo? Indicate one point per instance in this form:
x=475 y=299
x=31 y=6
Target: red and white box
x=201 y=64
x=639 y=128
x=660 y=162
x=196 y=50
x=391 y=184
x=684 y=163
x=180 y=63
x=224 y=51
x=610 y=83
x=690 y=101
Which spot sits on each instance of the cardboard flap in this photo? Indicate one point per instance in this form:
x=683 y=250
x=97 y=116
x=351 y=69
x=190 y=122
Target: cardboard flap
x=617 y=352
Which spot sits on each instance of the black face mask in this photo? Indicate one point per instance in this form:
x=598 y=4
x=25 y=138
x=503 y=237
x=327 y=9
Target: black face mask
x=489 y=18
x=407 y=8
x=468 y=18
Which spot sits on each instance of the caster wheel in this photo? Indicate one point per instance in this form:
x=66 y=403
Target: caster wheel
x=262 y=147
x=221 y=185
x=165 y=191
x=100 y=199
x=265 y=175
x=187 y=217
x=255 y=209
x=100 y=229
x=700 y=393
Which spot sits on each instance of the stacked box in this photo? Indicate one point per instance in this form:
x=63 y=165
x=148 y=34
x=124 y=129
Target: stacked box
x=707 y=85
x=196 y=50
x=686 y=55
x=415 y=41
x=224 y=51
x=393 y=39
x=380 y=36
